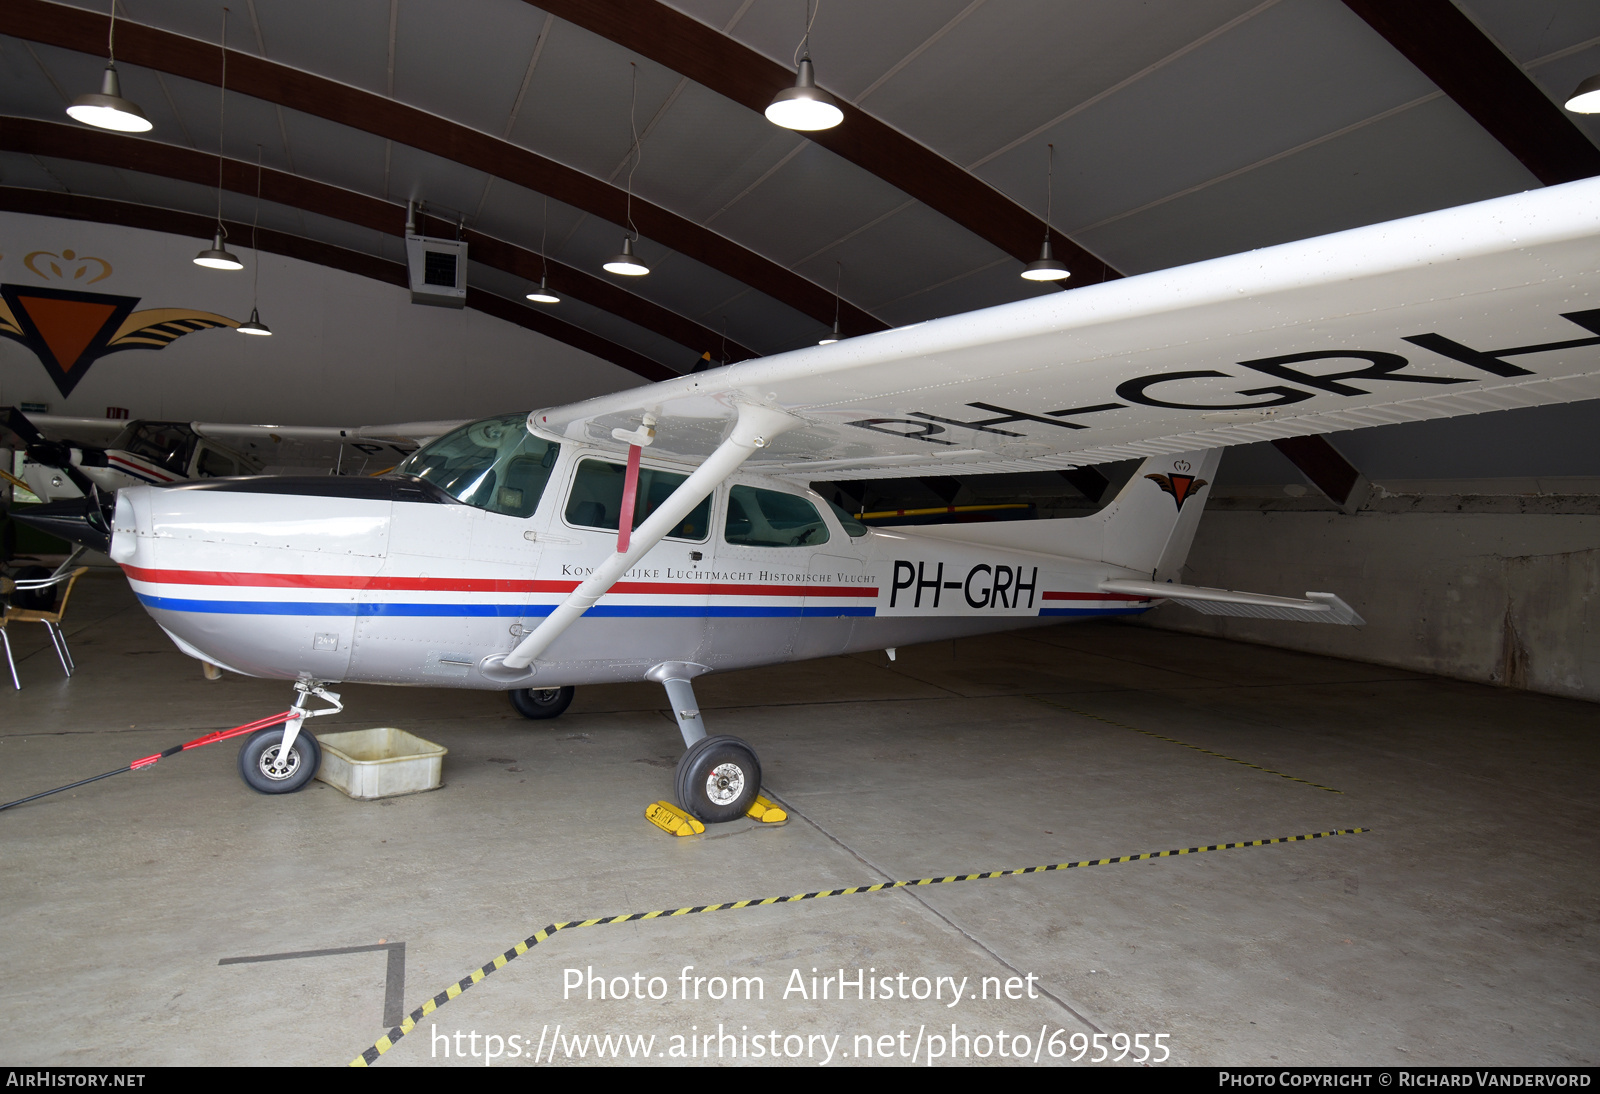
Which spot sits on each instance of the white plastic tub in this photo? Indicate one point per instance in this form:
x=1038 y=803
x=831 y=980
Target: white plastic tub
x=380 y=763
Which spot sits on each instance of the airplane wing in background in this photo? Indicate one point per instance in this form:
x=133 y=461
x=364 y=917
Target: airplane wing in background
x=278 y=449
x=370 y=449
x=1484 y=307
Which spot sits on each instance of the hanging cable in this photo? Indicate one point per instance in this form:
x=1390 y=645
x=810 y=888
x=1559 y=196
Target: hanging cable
x=254 y=325
x=804 y=48
x=216 y=256
x=222 y=108
x=1047 y=267
x=635 y=152
x=626 y=262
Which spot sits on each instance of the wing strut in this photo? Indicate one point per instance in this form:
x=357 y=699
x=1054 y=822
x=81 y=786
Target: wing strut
x=756 y=427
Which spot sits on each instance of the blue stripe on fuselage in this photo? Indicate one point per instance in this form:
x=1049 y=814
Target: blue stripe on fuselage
x=658 y=611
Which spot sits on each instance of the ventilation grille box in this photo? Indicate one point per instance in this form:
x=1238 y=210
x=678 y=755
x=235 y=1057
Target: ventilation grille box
x=438 y=271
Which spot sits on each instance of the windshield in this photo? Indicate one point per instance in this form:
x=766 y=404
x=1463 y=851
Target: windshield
x=495 y=464
x=166 y=444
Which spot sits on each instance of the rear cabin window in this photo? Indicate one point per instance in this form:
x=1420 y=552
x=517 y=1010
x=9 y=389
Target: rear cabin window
x=596 y=499
x=768 y=518
x=495 y=465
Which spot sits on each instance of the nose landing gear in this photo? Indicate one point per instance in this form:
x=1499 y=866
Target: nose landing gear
x=270 y=769
x=281 y=761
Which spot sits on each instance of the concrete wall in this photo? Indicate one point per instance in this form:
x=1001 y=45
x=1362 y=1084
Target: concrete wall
x=345 y=350
x=1509 y=598
x=1477 y=557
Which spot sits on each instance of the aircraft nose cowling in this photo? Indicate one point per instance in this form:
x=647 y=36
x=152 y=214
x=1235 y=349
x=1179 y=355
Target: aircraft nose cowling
x=77 y=520
x=261 y=575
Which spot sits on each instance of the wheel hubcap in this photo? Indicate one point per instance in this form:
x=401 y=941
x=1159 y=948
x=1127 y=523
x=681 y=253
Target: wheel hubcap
x=725 y=783
x=272 y=769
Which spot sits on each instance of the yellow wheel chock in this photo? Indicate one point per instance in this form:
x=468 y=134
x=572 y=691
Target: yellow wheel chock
x=764 y=811
x=676 y=822
x=672 y=820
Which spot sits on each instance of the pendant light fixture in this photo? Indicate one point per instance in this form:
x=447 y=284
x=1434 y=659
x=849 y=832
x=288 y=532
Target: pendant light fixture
x=543 y=295
x=626 y=262
x=1586 y=99
x=255 y=325
x=216 y=256
x=805 y=106
x=1047 y=267
x=834 y=337
x=108 y=109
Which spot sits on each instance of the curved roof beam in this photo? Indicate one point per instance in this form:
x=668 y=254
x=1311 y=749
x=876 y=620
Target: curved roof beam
x=1469 y=67
x=105 y=211
x=193 y=59
x=62 y=140
x=712 y=59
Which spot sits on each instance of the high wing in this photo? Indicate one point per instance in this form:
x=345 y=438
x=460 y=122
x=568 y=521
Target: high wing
x=413 y=433
x=1483 y=307
x=59 y=427
x=276 y=449
x=361 y=450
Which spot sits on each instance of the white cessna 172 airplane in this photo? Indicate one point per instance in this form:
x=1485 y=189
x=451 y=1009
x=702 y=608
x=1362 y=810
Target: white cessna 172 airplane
x=667 y=531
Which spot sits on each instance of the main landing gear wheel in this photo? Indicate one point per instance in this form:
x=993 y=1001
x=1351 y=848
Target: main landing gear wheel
x=541 y=702
x=719 y=778
x=269 y=773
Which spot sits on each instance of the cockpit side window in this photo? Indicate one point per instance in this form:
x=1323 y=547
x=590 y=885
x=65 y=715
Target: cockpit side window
x=495 y=464
x=596 y=499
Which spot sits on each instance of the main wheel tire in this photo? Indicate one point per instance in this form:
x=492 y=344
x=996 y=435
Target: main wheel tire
x=541 y=702
x=719 y=778
x=259 y=766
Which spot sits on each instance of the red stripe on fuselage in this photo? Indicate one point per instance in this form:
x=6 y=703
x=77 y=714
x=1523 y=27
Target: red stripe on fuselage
x=122 y=462
x=477 y=585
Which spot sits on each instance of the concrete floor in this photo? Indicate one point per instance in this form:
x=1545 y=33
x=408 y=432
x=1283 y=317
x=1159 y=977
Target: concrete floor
x=1459 y=930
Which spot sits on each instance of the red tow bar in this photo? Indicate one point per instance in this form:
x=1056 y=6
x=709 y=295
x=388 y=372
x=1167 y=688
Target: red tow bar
x=147 y=761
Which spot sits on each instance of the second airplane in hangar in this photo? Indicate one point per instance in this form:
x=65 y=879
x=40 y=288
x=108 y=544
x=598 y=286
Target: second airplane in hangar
x=670 y=530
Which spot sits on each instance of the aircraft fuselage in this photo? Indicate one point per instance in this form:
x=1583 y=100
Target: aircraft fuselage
x=394 y=581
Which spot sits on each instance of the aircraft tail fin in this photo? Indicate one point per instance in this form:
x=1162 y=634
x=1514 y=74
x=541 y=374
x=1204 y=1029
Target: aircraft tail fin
x=1151 y=524
x=1147 y=528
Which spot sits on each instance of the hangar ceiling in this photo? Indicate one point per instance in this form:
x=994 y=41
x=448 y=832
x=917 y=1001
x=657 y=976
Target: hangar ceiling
x=1183 y=129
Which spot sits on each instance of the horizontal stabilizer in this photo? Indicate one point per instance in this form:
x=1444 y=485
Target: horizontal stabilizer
x=1316 y=608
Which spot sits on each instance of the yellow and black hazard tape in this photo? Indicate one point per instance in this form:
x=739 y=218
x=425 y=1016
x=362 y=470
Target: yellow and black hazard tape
x=1175 y=741
x=388 y=1041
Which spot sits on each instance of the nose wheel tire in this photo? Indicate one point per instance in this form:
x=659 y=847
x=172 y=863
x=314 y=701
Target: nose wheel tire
x=267 y=771
x=541 y=702
x=718 y=778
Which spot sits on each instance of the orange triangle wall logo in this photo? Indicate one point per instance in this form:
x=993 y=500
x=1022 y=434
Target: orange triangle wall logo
x=70 y=330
